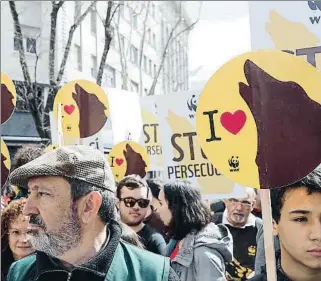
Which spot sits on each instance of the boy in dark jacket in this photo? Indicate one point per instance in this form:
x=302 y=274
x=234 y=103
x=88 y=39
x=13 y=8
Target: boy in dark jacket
x=296 y=211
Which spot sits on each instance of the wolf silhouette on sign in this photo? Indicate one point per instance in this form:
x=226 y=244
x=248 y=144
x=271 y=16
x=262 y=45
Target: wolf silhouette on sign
x=288 y=123
x=91 y=112
x=135 y=162
x=7 y=105
x=4 y=170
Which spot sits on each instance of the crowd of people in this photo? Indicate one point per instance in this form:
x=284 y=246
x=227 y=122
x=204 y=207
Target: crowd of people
x=64 y=217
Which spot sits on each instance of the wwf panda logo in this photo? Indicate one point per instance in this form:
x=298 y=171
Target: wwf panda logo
x=192 y=103
x=234 y=163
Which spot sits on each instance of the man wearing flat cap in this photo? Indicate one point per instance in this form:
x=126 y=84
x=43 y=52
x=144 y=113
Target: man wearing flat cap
x=71 y=205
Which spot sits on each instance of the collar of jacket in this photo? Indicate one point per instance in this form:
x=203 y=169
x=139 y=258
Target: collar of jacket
x=98 y=265
x=281 y=276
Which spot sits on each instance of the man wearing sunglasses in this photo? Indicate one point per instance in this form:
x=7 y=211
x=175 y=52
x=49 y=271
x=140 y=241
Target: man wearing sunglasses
x=244 y=227
x=134 y=197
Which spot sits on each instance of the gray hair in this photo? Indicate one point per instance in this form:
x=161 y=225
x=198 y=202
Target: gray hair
x=107 y=210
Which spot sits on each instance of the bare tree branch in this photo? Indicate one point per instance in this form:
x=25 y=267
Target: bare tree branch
x=53 y=30
x=69 y=41
x=19 y=41
x=122 y=54
x=108 y=38
x=170 y=39
x=141 y=49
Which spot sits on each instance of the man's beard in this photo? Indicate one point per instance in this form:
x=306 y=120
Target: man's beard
x=56 y=243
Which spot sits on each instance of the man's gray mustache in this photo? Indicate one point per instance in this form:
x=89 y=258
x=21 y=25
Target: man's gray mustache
x=36 y=220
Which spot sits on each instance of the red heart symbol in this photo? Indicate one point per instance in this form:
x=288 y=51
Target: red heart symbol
x=119 y=161
x=233 y=122
x=69 y=109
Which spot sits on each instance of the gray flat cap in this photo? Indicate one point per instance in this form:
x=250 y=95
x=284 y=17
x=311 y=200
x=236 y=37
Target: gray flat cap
x=73 y=161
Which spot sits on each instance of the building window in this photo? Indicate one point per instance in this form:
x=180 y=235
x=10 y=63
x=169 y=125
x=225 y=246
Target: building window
x=150 y=67
x=149 y=35
x=113 y=37
x=153 y=10
x=134 y=86
x=154 y=40
x=93 y=25
x=134 y=21
x=145 y=63
x=78 y=57
x=31 y=45
x=110 y=76
x=155 y=70
x=93 y=66
x=134 y=55
x=122 y=42
x=77 y=10
x=121 y=7
x=29 y=39
x=16 y=43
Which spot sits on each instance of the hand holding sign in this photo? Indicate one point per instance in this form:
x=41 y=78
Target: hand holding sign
x=268 y=116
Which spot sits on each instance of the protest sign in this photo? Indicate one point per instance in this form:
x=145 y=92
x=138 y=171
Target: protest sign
x=182 y=154
x=294 y=27
x=258 y=119
x=85 y=108
x=128 y=158
x=5 y=163
x=150 y=136
x=8 y=97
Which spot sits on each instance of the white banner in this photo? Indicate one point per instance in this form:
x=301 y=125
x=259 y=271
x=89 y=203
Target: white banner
x=291 y=26
x=150 y=137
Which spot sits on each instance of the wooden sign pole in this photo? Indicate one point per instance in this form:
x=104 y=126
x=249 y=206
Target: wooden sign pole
x=268 y=236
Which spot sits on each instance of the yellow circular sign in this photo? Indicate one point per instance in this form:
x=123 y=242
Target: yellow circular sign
x=5 y=163
x=128 y=158
x=258 y=119
x=51 y=147
x=84 y=108
x=8 y=97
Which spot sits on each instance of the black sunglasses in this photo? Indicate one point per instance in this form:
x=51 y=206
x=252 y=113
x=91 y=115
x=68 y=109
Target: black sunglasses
x=131 y=202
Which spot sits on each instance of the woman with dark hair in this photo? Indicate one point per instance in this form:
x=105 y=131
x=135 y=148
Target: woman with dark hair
x=14 y=235
x=198 y=248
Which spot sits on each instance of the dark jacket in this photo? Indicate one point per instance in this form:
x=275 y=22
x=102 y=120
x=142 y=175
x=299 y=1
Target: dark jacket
x=280 y=273
x=117 y=261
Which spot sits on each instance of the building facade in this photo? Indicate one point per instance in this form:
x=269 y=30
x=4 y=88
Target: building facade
x=123 y=70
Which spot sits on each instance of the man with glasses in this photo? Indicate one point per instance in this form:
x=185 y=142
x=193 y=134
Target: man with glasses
x=243 y=226
x=134 y=197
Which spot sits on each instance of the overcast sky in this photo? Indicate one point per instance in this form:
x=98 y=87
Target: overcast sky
x=222 y=33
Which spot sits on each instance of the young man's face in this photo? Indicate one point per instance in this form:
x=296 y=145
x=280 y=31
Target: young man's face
x=299 y=228
x=132 y=213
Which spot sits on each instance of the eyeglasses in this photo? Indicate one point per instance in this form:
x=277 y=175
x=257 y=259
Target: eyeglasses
x=244 y=203
x=131 y=202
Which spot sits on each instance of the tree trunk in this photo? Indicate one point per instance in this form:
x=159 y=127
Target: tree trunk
x=142 y=44
x=108 y=39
